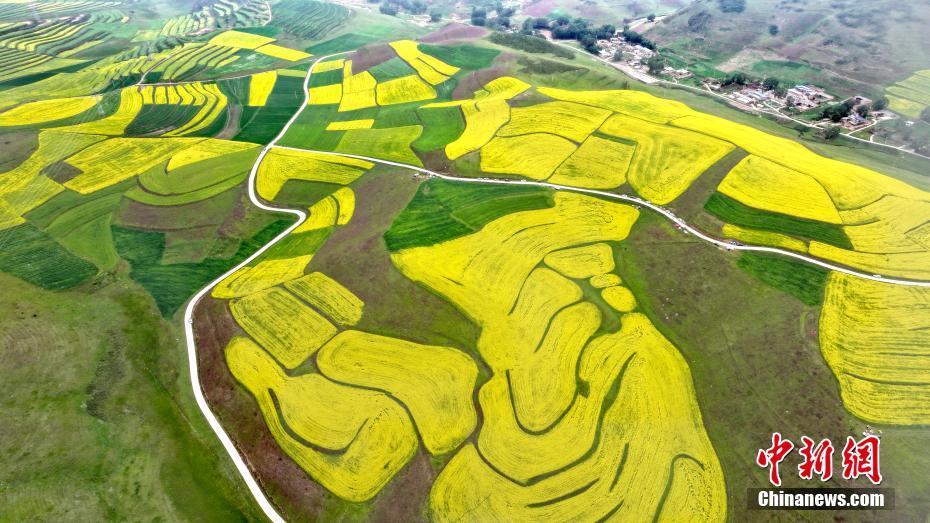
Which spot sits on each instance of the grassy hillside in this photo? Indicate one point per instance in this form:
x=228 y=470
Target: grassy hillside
x=844 y=45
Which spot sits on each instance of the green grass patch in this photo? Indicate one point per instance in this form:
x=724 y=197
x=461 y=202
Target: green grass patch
x=804 y=281
x=33 y=255
x=261 y=124
x=171 y=285
x=464 y=56
x=443 y=210
x=530 y=44
x=732 y=211
x=346 y=42
x=389 y=144
x=441 y=125
x=325 y=78
x=790 y=73
x=390 y=69
x=398 y=115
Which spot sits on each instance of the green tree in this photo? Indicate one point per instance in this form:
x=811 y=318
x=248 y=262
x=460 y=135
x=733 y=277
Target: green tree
x=435 y=16
x=832 y=132
x=773 y=30
x=651 y=17
x=655 y=63
x=925 y=114
x=770 y=83
x=880 y=103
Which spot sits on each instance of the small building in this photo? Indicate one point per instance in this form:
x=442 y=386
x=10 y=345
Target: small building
x=854 y=121
x=861 y=100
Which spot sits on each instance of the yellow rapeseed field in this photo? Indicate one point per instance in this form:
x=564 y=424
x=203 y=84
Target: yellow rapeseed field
x=765 y=185
x=260 y=86
x=24 y=187
x=667 y=160
x=360 y=438
x=597 y=164
x=896 y=264
x=634 y=103
x=358 y=90
x=325 y=95
x=214 y=105
x=260 y=276
x=129 y=106
x=329 y=297
x=350 y=124
x=47 y=110
x=887 y=225
x=281 y=52
x=602 y=281
x=540 y=404
x=435 y=383
x=285 y=327
x=481 y=122
x=405 y=89
x=329 y=65
x=484 y=114
x=431 y=69
x=582 y=262
x=449 y=268
x=205 y=150
x=619 y=298
x=757 y=237
x=345 y=201
x=651 y=450
x=566 y=119
x=531 y=155
x=112 y=161
x=320 y=215
x=240 y=40
x=876 y=339
x=850 y=186
x=281 y=165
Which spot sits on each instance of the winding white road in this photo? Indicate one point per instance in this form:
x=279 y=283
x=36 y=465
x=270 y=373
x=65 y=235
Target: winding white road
x=231 y=449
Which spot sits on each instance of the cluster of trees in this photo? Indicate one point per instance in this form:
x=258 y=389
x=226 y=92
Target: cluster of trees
x=479 y=16
x=732 y=6
x=392 y=7
x=565 y=28
x=837 y=112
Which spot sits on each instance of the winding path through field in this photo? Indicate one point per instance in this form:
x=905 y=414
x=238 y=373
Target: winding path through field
x=237 y=459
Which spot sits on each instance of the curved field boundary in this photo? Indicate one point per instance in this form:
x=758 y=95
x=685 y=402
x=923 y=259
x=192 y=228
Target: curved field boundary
x=639 y=201
x=256 y=491
x=270 y=512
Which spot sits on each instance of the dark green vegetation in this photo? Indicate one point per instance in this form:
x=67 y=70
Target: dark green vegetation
x=346 y=42
x=443 y=210
x=463 y=56
x=441 y=126
x=309 y=19
x=31 y=254
x=731 y=211
x=804 y=281
x=393 y=68
x=754 y=356
x=172 y=284
x=261 y=124
x=161 y=118
x=530 y=44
